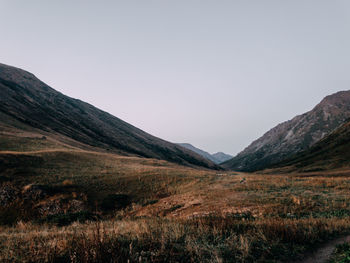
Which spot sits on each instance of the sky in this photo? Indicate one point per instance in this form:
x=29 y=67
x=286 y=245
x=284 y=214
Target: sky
x=217 y=74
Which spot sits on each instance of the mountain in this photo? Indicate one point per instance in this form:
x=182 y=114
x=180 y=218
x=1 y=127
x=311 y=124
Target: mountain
x=295 y=135
x=332 y=152
x=202 y=153
x=216 y=157
x=26 y=103
x=221 y=157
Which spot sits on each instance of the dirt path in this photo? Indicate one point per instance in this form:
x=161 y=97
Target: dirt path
x=323 y=253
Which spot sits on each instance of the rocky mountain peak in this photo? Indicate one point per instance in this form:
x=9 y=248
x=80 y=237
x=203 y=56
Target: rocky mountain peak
x=294 y=135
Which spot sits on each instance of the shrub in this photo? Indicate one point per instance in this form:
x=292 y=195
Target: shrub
x=68 y=218
x=341 y=254
x=115 y=202
x=9 y=215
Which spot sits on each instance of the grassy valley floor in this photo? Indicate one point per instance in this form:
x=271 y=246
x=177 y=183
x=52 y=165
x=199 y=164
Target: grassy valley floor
x=64 y=204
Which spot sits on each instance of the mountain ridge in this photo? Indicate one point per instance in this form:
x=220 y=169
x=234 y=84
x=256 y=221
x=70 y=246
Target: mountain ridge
x=221 y=157
x=27 y=100
x=217 y=158
x=295 y=135
x=331 y=152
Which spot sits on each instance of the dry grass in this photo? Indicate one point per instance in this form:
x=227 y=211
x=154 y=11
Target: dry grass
x=176 y=213
x=208 y=218
x=28 y=141
x=160 y=240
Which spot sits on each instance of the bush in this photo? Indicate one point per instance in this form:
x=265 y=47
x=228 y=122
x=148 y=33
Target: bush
x=67 y=219
x=9 y=216
x=115 y=202
x=341 y=254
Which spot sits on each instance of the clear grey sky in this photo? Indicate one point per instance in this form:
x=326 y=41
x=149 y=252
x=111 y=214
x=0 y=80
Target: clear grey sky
x=217 y=74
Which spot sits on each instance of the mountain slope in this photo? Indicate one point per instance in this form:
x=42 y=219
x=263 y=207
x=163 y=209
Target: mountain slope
x=216 y=157
x=332 y=152
x=295 y=135
x=221 y=157
x=27 y=103
x=202 y=153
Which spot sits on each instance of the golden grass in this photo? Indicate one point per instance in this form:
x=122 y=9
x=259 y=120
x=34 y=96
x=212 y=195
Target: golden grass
x=177 y=214
x=160 y=240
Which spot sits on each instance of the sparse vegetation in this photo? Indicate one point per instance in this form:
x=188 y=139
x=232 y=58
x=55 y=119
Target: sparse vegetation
x=70 y=205
x=77 y=206
x=68 y=218
x=341 y=254
x=211 y=239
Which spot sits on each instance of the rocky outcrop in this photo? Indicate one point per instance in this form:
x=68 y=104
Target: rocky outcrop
x=332 y=152
x=8 y=194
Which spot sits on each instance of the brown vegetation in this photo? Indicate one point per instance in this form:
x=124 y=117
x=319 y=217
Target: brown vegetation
x=211 y=239
x=70 y=205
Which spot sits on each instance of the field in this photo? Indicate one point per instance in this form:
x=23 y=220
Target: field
x=64 y=204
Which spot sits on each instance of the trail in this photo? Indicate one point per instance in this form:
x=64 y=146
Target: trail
x=323 y=253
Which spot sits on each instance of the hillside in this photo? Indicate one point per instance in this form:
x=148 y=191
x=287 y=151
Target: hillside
x=332 y=152
x=216 y=157
x=66 y=198
x=28 y=104
x=293 y=136
x=221 y=157
x=162 y=211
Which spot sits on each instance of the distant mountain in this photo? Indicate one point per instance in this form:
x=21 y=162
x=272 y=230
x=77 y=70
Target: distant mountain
x=221 y=157
x=294 y=136
x=216 y=158
x=28 y=103
x=332 y=152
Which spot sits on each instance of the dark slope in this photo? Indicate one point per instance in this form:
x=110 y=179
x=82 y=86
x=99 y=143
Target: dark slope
x=217 y=158
x=202 y=153
x=221 y=157
x=332 y=152
x=294 y=136
x=29 y=101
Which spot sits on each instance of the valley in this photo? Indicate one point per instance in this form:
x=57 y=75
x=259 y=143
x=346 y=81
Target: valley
x=160 y=209
x=80 y=185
